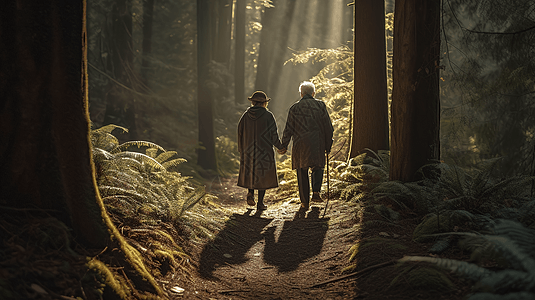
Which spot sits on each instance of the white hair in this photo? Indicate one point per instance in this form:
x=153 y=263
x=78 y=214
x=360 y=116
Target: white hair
x=307 y=88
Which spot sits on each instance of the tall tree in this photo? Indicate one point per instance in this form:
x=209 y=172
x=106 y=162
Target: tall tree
x=239 y=57
x=148 y=12
x=415 y=96
x=224 y=31
x=120 y=105
x=266 y=47
x=206 y=153
x=45 y=154
x=370 y=102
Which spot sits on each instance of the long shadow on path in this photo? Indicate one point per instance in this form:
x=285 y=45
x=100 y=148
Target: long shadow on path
x=231 y=244
x=300 y=239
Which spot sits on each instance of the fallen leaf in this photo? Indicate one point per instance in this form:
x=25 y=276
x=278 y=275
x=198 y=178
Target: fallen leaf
x=177 y=290
x=38 y=289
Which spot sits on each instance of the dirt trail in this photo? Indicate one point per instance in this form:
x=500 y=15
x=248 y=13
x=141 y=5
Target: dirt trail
x=279 y=253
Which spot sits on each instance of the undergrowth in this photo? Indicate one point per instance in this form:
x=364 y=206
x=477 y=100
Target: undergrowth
x=473 y=210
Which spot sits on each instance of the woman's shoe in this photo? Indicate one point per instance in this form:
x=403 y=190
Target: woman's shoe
x=250 y=199
x=261 y=206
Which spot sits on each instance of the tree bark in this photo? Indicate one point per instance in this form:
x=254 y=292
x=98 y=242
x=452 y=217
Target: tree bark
x=370 y=103
x=239 y=57
x=224 y=30
x=206 y=153
x=45 y=154
x=415 y=96
x=266 y=48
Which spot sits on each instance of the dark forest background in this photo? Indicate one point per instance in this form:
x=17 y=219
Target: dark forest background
x=143 y=70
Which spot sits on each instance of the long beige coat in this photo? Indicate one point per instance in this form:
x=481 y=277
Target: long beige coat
x=311 y=129
x=257 y=134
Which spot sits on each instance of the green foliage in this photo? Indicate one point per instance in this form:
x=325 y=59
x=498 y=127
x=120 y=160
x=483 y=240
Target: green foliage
x=487 y=89
x=446 y=187
x=423 y=278
x=139 y=185
x=512 y=244
x=334 y=83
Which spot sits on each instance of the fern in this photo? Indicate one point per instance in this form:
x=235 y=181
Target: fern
x=138 y=144
x=518 y=277
x=468 y=270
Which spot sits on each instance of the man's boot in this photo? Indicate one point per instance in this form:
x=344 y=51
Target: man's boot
x=316 y=197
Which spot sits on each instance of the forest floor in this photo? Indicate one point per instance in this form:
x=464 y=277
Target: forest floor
x=278 y=253
x=282 y=253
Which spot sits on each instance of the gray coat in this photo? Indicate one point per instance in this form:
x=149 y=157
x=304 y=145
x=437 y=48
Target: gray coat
x=257 y=134
x=311 y=129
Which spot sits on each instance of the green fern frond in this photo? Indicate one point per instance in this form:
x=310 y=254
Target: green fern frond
x=520 y=235
x=513 y=254
x=100 y=155
x=468 y=270
x=138 y=144
x=165 y=156
x=188 y=204
x=483 y=176
x=174 y=162
x=112 y=191
x=507 y=281
x=144 y=159
x=103 y=140
x=151 y=152
x=108 y=129
x=352 y=190
x=354 y=250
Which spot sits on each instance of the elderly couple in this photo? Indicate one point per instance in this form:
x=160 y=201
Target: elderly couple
x=309 y=125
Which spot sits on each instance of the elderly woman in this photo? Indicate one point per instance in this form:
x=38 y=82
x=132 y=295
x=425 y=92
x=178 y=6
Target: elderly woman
x=257 y=134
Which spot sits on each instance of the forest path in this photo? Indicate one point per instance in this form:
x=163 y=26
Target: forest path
x=279 y=253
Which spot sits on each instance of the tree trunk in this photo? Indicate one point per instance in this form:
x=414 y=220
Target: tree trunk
x=370 y=103
x=45 y=154
x=266 y=48
x=224 y=30
x=239 y=57
x=120 y=106
x=206 y=154
x=415 y=96
x=148 y=12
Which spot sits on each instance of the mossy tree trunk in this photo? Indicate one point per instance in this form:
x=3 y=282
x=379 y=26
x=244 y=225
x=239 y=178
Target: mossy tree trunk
x=370 y=103
x=45 y=156
x=415 y=96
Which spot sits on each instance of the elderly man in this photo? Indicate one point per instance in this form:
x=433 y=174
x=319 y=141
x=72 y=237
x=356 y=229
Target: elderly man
x=310 y=127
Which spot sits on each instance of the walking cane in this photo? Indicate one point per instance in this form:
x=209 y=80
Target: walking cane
x=328 y=188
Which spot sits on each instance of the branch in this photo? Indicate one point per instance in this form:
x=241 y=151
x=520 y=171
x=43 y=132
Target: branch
x=385 y=264
x=488 y=32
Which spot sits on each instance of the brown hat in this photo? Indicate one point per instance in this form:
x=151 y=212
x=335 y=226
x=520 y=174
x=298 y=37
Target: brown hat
x=259 y=96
